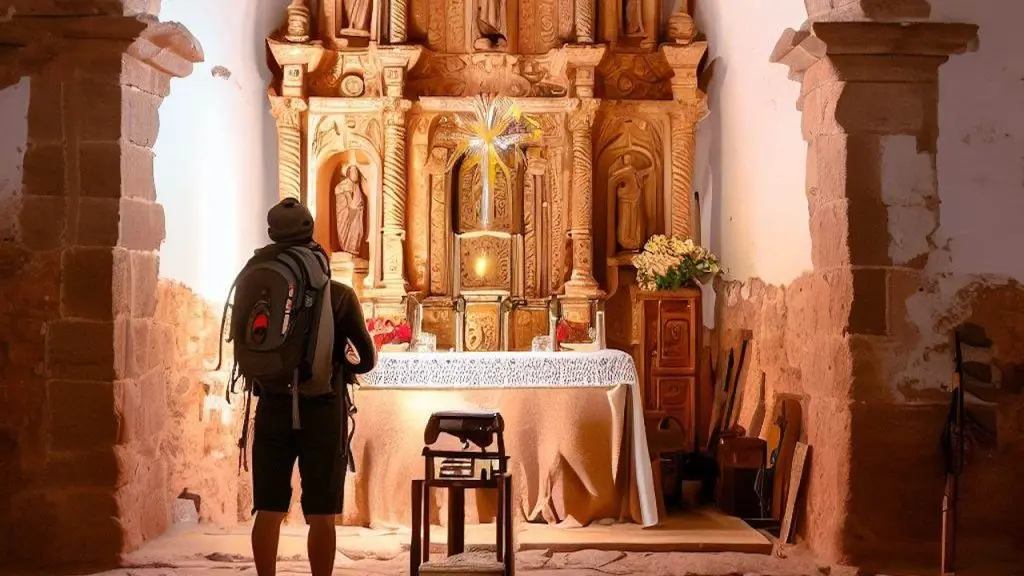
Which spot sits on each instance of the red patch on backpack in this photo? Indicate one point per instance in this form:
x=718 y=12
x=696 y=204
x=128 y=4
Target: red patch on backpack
x=259 y=326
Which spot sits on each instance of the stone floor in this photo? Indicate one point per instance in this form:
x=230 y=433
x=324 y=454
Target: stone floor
x=212 y=552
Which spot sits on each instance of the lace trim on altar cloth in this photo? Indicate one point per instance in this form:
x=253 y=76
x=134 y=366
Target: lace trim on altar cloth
x=601 y=369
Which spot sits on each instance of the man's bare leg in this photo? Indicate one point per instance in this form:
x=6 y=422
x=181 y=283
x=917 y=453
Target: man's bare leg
x=322 y=544
x=266 y=533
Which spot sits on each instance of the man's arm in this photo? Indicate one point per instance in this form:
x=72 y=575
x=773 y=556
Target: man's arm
x=350 y=330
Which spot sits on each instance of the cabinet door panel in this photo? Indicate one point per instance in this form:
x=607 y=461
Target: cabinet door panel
x=676 y=338
x=674 y=392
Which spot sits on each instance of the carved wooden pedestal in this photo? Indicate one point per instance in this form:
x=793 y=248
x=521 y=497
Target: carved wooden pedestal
x=670 y=332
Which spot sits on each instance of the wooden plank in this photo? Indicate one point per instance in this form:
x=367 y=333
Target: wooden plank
x=796 y=474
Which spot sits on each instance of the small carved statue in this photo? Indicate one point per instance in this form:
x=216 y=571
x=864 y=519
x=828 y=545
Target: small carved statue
x=633 y=19
x=350 y=204
x=490 y=24
x=630 y=216
x=357 y=17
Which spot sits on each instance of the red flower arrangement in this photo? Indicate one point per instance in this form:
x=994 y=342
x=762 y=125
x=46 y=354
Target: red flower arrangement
x=385 y=331
x=572 y=332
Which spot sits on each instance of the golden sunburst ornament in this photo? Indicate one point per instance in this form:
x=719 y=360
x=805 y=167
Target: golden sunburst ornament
x=491 y=136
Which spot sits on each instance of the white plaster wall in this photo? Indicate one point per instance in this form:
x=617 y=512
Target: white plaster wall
x=13 y=141
x=981 y=142
x=751 y=156
x=216 y=155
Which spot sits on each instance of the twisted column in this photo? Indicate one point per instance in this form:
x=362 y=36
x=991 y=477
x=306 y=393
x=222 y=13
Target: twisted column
x=581 y=282
x=394 y=195
x=398 y=22
x=684 y=143
x=584 y=21
x=288 y=116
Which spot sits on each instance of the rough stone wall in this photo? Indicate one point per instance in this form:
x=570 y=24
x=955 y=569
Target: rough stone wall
x=863 y=339
x=799 y=360
x=84 y=393
x=199 y=441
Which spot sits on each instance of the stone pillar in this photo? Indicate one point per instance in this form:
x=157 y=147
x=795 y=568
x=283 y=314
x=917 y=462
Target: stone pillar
x=394 y=283
x=585 y=21
x=84 y=397
x=289 y=114
x=692 y=106
x=398 y=24
x=583 y=60
x=870 y=115
x=581 y=282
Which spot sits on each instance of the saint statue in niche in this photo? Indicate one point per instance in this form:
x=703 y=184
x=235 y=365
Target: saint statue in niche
x=350 y=204
x=633 y=19
x=630 y=217
x=356 y=17
x=490 y=25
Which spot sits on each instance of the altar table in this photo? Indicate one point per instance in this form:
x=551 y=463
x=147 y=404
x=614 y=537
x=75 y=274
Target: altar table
x=574 y=431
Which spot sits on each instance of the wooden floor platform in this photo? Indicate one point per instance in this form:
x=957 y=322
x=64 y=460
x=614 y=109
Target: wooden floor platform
x=704 y=530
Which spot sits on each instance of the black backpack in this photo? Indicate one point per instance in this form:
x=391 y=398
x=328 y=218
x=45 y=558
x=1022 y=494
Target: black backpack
x=282 y=325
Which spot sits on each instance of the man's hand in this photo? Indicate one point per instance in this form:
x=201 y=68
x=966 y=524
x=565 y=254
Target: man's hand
x=350 y=353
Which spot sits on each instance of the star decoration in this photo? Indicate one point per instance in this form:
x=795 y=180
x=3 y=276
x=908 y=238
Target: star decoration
x=490 y=136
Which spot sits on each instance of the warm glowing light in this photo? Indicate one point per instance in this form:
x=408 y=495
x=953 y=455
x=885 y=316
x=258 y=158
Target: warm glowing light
x=480 y=266
x=486 y=137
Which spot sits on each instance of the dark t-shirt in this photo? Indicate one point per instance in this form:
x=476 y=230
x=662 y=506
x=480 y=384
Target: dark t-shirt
x=350 y=329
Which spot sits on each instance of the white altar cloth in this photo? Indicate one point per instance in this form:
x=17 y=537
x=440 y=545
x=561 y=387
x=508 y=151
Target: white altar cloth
x=481 y=370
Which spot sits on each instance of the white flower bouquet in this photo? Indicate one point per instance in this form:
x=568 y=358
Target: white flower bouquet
x=671 y=263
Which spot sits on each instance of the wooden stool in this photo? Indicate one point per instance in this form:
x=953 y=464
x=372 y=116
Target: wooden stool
x=457 y=562
x=456 y=471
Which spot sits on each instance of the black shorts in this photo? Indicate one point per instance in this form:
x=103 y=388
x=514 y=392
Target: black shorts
x=317 y=446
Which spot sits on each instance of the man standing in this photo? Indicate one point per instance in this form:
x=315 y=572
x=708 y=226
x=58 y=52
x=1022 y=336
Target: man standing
x=321 y=444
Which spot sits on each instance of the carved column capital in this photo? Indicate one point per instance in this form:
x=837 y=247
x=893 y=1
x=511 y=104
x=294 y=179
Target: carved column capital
x=684 y=60
x=395 y=62
x=584 y=60
x=287 y=110
x=582 y=118
x=394 y=111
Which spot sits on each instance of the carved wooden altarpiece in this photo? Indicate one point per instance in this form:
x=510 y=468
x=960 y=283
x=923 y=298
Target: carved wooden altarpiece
x=362 y=93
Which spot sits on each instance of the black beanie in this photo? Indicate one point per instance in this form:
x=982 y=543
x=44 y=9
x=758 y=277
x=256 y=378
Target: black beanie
x=289 y=222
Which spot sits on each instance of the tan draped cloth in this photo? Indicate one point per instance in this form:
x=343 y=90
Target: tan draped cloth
x=571 y=454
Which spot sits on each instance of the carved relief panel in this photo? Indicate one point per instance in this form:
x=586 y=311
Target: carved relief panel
x=485 y=263
x=540 y=25
x=441 y=25
x=483 y=327
x=527 y=322
x=497 y=210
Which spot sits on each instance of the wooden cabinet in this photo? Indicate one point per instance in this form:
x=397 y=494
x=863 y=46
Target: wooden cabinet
x=669 y=352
